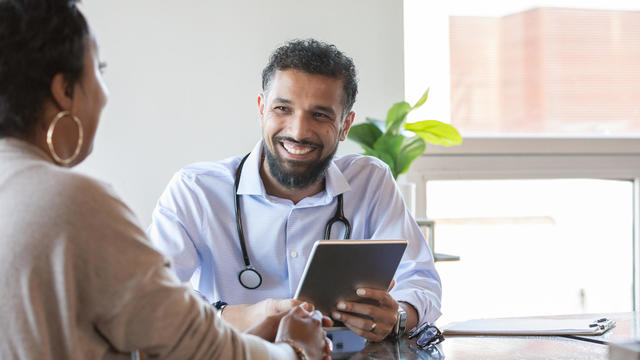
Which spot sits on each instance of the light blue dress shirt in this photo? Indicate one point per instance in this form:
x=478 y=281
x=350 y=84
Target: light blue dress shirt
x=194 y=225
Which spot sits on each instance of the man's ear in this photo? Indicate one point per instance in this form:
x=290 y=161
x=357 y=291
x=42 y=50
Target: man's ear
x=348 y=121
x=260 y=107
x=61 y=92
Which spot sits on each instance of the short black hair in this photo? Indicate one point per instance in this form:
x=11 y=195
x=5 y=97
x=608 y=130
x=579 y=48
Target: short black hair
x=314 y=57
x=38 y=39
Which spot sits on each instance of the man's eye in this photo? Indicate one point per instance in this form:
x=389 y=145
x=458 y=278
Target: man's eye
x=281 y=108
x=321 y=115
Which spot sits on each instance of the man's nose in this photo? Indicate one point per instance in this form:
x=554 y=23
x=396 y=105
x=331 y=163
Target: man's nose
x=300 y=125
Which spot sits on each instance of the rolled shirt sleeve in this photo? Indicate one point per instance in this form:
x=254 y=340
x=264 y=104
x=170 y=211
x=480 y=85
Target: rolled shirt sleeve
x=417 y=281
x=173 y=230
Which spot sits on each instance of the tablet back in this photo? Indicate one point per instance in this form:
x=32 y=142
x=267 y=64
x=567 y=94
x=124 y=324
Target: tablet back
x=336 y=268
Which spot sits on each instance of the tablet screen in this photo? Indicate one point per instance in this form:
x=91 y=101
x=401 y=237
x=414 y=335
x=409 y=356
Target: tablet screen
x=336 y=268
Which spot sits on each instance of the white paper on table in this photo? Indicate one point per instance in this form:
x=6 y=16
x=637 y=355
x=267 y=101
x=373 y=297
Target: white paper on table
x=529 y=326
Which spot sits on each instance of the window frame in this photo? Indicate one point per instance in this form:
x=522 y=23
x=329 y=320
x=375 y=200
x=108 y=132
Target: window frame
x=502 y=158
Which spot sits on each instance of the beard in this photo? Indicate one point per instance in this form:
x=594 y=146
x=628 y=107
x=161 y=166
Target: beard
x=296 y=180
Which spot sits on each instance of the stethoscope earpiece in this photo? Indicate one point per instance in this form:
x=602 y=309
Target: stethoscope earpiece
x=249 y=277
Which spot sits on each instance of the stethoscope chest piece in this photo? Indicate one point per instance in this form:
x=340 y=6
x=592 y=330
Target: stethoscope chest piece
x=250 y=278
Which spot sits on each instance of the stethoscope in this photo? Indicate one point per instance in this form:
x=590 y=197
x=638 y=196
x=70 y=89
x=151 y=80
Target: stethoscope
x=249 y=277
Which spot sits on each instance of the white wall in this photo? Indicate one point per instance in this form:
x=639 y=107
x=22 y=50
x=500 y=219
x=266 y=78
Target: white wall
x=184 y=78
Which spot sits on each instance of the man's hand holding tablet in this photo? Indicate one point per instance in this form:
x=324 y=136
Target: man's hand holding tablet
x=351 y=279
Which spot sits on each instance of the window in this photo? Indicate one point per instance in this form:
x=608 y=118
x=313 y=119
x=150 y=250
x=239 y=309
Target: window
x=522 y=67
x=547 y=98
x=518 y=209
x=558 y=246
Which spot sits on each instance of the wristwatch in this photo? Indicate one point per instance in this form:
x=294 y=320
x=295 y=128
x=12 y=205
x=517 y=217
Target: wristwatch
x=401 y=323
x=219 y=305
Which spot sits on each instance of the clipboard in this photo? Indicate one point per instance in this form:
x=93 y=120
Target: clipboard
x=530 y=327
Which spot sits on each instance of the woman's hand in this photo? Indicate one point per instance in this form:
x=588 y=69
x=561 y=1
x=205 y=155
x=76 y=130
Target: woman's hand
x=303 y=327
x=244 y=317
x=267 y=328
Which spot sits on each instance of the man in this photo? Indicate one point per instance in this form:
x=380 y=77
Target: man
x=288 y=187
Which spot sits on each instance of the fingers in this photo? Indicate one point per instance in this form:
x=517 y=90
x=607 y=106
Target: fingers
x=317 y=315
x=301 y=311
x=268 y=327
x=281 y=305
x=381 y=315
x=373 y=322
x=380 y=326
x=277 y=317
x=326 y=321
x=328 y=346
x=393 y=283
x=307 y=306
x=366 y=328
x=381 y=296
x=305 y=329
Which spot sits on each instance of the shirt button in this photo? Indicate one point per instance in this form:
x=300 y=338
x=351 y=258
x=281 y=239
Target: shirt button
x=294 y=254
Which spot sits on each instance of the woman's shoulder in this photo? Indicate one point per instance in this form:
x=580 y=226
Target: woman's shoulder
x=78 y=195
x=75 y=186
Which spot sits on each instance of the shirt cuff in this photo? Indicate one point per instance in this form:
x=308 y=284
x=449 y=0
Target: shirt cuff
x=427 y=304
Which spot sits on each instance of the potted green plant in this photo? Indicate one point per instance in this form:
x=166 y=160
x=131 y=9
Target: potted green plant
x=398 y=143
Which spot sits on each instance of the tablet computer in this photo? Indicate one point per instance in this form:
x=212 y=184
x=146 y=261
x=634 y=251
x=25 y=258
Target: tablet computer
x=336 y=268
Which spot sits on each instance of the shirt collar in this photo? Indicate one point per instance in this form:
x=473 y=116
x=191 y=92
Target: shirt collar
x=336 y=182
x=251 y=182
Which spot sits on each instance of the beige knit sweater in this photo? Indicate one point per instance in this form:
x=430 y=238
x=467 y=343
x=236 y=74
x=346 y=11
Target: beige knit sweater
x=79 y=280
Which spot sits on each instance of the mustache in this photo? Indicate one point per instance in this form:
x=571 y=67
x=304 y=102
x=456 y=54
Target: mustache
x=278 y=138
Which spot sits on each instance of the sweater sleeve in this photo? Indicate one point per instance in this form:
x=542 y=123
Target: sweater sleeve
x=131 y=295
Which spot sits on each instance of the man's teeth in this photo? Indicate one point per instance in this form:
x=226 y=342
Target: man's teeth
x=297 y=151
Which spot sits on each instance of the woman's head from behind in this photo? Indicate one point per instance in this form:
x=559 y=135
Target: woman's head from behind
x=50 y=82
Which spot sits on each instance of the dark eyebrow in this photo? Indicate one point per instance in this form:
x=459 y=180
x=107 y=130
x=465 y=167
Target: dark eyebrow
x=282 y=100
x=322 y=108
x=325 y=109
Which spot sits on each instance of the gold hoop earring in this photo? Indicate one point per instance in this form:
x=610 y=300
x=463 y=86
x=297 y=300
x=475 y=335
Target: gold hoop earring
x=52 y=150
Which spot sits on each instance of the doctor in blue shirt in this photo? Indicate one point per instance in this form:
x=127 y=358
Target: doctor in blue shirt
x=284 y=192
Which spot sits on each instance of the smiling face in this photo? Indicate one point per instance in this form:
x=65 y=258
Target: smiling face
x=302 y=122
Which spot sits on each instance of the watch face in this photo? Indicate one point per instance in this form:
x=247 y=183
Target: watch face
x=401 y=323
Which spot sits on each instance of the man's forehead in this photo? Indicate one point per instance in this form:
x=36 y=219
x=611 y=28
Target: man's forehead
x=307 y=73
x=290 y=83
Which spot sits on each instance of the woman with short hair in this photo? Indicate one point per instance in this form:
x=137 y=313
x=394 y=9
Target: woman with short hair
x=79 y=278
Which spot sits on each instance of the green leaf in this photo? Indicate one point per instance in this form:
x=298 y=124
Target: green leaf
x=379 y=123
x=435 y=132
x=368 y=150
x=412 y=148
x=386 y=158
x=389 y=144
x=396 y=116
x=422 y=100
x=364 y=134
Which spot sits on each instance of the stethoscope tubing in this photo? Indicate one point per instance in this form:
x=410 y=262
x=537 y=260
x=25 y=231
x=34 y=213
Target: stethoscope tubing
x=246 y=277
